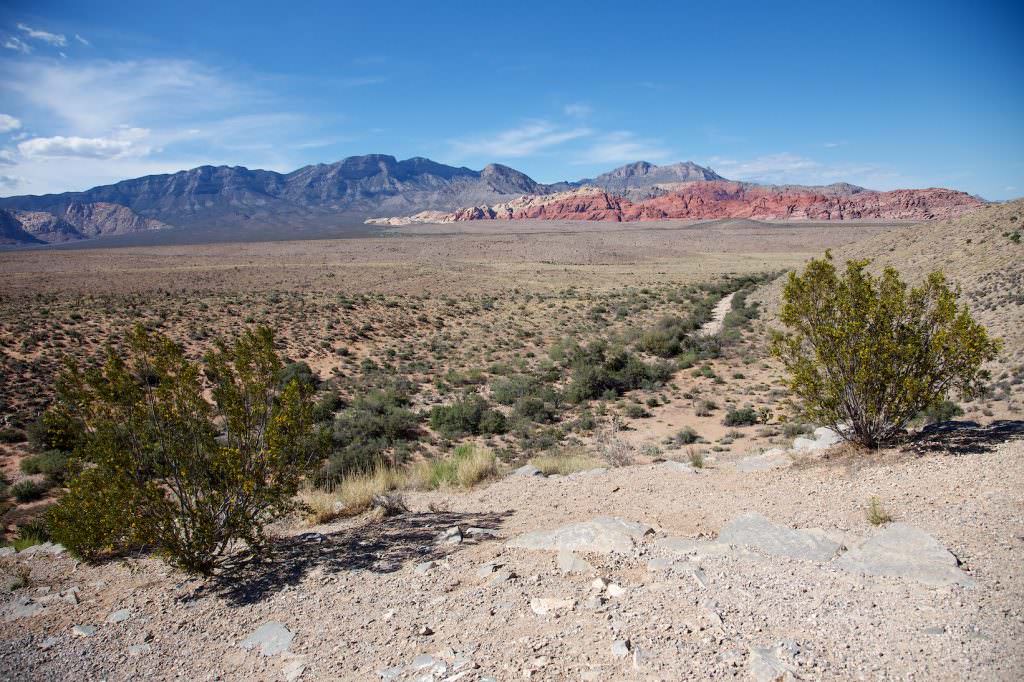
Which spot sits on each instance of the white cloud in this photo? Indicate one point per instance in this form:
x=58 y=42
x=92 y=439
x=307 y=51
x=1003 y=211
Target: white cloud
x=527 y=139
x=8 y=123
x=128 y=142
x=97 y=96
x=785 y=168
x=17 y=44
x=833 y=145
x=9 y=181
x=577 y=110
x=623 y=146
x=55 y=39
x=82 y=40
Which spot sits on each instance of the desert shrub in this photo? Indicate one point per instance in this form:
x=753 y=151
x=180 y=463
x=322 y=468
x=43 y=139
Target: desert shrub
x=468 y=416
x=326 y=405
x=27 y=491
x=32 y=532
x=743 y=416
x=12 y=435
x=940 y=412
x=169 y=469
x=300 y=372
x=533 y=408
x=635 y=411
x=511 y=390
x=597 y=371
x=868 y=353
x=685 y=436
x=56 y=429
x=466 y=467
x=374 y=425
x=54 y=464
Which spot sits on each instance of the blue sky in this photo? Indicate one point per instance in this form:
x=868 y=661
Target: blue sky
x=885 y=95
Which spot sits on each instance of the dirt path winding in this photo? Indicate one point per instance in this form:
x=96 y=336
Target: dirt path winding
x=714 y=325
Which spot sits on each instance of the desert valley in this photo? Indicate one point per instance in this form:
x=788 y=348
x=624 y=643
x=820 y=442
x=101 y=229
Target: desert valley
x=682 y=345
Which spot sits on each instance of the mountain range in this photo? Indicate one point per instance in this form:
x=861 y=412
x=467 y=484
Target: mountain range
x=211 y=198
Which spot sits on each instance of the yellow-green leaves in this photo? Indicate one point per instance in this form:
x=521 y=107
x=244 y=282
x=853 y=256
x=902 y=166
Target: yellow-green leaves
x=868 y=353
x=166 y=468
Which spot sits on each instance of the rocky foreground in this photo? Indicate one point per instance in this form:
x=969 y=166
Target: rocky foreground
x=655 y=571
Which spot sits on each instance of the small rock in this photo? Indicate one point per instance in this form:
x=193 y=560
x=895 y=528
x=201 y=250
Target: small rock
x=424 y=631
x=599 y=584
x=544 y=605
x=475 y=532
x=528 y=470
x=601 y=535
x=83 y=630
x=615 y=591
x=139 y=649
x=502 y=576
x=450 y=536
x=487 y=569
x=621 y=648
x=119 y=616
x=935 y=630
x=48 y=643
x=71 y=596
x=272 y=638
x=764 y=665
x=294 y=668
x=6 y=551
x=424 y=568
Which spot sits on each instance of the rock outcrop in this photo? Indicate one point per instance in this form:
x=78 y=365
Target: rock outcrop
x=722 y=199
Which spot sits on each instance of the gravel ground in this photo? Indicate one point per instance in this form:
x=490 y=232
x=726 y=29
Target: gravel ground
x=359 y=599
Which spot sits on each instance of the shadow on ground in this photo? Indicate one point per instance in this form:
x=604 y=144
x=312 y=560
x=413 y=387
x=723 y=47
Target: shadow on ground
x=965 y=437
x=382 y=546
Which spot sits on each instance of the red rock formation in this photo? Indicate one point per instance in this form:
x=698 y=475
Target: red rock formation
x=723 y=199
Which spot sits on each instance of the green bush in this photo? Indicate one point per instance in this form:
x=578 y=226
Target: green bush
x=57 y=466
x=169 y=469
x=744 y=416
x=376 y=426
x=12 y=435
x=466 y=417
x=869 y=354
x=685 y=436
x=598 y=372
x=56 y=429
x=940 y=412
x=27 y=491
x=300 y=372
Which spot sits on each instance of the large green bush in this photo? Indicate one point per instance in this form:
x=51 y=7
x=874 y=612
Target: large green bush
x=598 y=371
x=468 y=416
x=167 y=468
x=866 y=354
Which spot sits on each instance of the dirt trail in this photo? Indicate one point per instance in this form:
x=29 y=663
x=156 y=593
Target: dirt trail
x=714 y=325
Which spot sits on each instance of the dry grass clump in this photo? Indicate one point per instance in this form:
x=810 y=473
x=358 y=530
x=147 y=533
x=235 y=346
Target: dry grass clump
x=877 y=514
x=565 y=461
x=468 y=466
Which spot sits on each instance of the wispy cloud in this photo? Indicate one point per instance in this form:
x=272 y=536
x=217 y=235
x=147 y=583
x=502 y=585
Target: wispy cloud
x=55 y=39
x=833 y=145
x=82 y=40
x=525 y=140
x=97 y=96
x=621 y=146
x=8 y=123
x=577 y=110
x=126 y=142
x=787 y=168
x=17 y=44
x=9 y=182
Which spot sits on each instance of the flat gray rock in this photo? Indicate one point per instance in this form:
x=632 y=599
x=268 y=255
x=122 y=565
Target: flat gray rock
x=119 y=616
x=678 y=467
x=764 y=665
x=570 y=563
x=902 y=551
x=83 y=630
x=601 y=535
x=527 y=470
x=824 y=438
x=24 y=608
x=755 y=531
x=766 y=461
x=6 y=551
x=272 y=638
x=695 y=547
